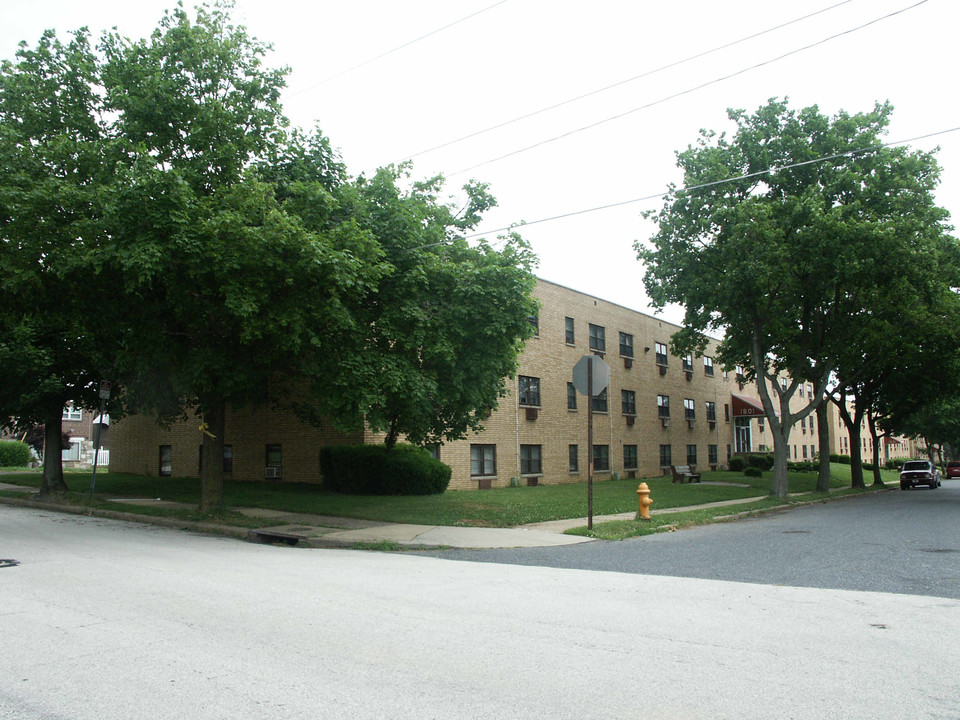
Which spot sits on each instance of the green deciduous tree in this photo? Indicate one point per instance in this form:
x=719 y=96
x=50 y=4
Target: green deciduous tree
x=787 y=232
x=56 y=316
x=442 y=330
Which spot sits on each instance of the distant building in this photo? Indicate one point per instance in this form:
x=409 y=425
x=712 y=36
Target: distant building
x=659 y=410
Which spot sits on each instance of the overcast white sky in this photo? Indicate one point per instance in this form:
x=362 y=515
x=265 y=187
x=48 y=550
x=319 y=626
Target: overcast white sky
x=520 y=56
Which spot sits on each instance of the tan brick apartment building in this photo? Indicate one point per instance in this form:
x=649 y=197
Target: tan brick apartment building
x=658 y=410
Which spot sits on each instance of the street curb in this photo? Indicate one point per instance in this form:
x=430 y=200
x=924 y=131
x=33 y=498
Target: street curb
x=173 y=523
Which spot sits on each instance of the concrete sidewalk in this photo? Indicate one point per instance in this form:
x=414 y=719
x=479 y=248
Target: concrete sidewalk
x=306 y=530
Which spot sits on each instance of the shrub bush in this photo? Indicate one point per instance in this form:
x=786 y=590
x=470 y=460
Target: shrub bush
x=737 y=464
x=842 y=459
x=371 y=470
x=14 y=453
x=753 y=471
x=867 y=466
x=804 y=466
x=764 y=461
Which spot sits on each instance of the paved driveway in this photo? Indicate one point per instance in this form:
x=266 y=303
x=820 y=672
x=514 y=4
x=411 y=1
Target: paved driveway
x=899 y=542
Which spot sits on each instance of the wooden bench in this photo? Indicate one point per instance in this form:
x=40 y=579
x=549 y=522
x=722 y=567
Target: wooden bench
x=684 y=473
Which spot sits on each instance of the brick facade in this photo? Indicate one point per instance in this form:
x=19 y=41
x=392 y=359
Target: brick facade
x=543 y=429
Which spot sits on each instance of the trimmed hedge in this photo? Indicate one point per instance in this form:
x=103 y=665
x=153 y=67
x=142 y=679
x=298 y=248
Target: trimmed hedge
x=371 y=470
x=804 y=466
x=14 y=453
x=737 y=464
x=842 y=459
x=753 y=471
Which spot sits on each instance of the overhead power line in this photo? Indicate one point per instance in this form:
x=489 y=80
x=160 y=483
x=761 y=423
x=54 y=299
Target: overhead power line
x=687 y=91
x=642 y=75
x=393 y=50
x=654 y=196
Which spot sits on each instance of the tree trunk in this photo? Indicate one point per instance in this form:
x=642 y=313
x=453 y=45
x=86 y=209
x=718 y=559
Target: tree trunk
x=211 y=456
x=53 y=482
x=391 y=439
x=823 y=437
x=781 y=455
x=875 y=444
x=856 y=456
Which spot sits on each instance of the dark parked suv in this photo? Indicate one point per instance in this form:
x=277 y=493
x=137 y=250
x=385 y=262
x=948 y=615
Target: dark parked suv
x=919 y=472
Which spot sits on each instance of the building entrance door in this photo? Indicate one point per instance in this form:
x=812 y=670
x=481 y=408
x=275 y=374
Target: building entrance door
x=742 y=435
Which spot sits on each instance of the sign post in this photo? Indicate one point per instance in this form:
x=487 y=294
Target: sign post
x=591 y=375
x=105 y=388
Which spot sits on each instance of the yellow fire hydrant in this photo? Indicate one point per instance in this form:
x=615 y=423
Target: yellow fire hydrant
x=643 y=497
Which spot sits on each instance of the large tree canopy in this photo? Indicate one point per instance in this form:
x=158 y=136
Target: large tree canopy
x=783 y=237
x=239 y=262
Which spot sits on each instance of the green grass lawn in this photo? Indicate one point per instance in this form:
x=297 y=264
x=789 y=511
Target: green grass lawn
x=500 y=507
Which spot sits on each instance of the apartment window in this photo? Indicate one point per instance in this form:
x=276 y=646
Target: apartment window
x=534 y=321
x=663 y=406
x=689 y=409
x=629 y=457
x=666 y=459
x=568 y=327
x=274 y=460
x=530 y=463
x=71 y=413
x=483 y=460
x=729 y=453
x=573 y=454
x=760 y=425
x=711 y=410
x=166 y=460
x=626 y=345
x=433 y=449
x=691 y=454
x=708 y=366
x=628 y=402
x=571 y=396
x=688 y=363
x=813 y=451
x=810 y=390
x=739 y=374
x=71 y=451
x=801 y=391
x=804 y=447
x=601 y=457
x=661 y=351
x=726 y=412
x=783 y=384
x=529 y=390
x=600 y=401
x=598 y=338
x=712 y=454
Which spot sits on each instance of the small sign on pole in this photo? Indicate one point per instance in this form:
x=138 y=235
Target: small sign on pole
x=591 y=376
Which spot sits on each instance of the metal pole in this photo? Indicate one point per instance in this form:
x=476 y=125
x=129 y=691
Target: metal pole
x=590 y=445
x=96 y=451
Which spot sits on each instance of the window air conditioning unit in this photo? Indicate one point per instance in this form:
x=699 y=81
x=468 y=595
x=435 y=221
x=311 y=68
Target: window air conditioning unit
x=532 y=414
x=713 y=424
x=665 y=422
x=630 y=420
x=689 y=375
x=628 y=363
x=691 y=423
x=663 y=369
x=273 y=473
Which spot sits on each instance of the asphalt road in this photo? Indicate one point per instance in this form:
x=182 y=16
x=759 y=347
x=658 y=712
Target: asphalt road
x=104 y=620
x=896 y=542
